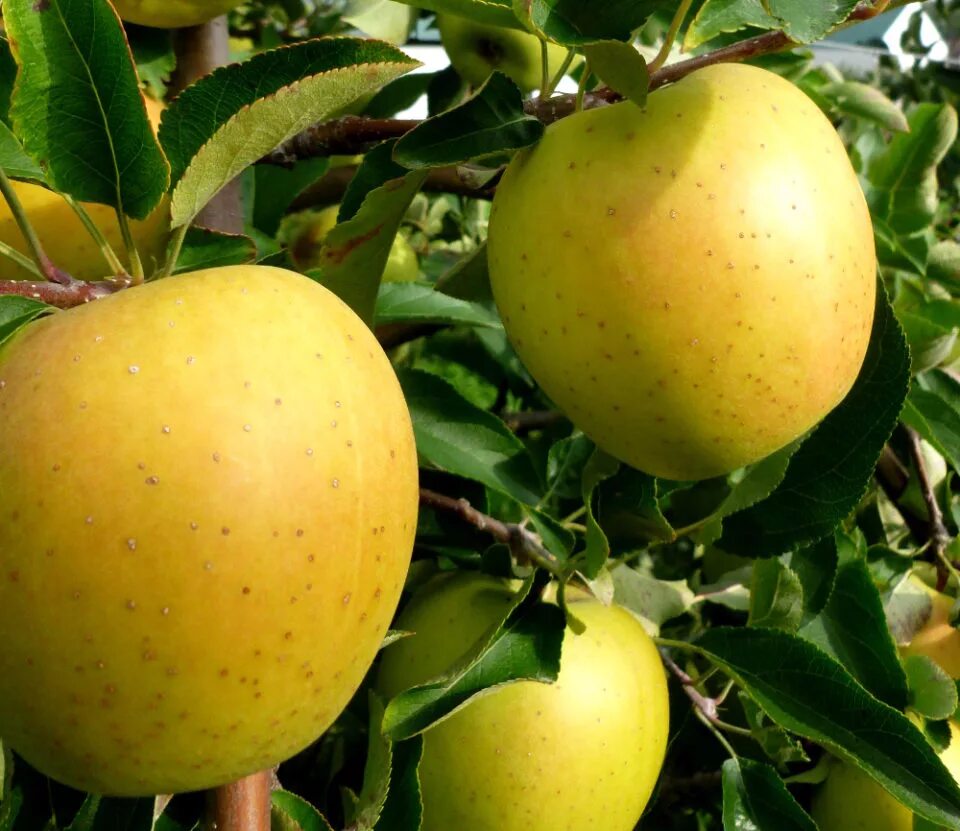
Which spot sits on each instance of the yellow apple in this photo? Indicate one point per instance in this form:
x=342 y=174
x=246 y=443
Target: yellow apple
x=529 y=756
x=210 y=493
x=693 y=283
x=849 y=800
x=476 y=50
x=172 y=14
x=65 y=239
x=310 y=229
x=937 y=639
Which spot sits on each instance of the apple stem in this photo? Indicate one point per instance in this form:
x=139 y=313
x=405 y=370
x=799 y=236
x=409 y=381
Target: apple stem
x=545 y=88
x=136 y=265
x=241 y=806
x=46 y=267
x=671 y=36
x=173 y=252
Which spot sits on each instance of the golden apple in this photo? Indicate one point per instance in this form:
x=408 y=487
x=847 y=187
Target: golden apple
x=849 y=800
x=694 y=282
x=65 y=239
x=476 y=50
x=530 y=756
x=210 y=494
x=937 y=639
x=310 y=229
x=172 y=14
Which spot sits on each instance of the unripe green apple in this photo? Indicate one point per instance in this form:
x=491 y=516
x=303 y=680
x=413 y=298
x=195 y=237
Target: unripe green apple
x=849 y=800
x=311 y=229
x=693 y=282
x=476 y=50
x=937 y=638
x=63 y=236
x=210 y=493
x=529 y=756
x=172 y=14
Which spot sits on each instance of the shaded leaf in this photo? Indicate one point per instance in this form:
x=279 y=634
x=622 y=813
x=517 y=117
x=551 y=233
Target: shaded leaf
x=489 y=123
x=755 y=799
x=289 y=812
x=806 y=22
x=776 y=596
x=77 y=104
x=17 y=312
x=203 y=248
x=621 y=67
x=416 y=303
x=867 y=102
x=717 y=17
x=933 y=693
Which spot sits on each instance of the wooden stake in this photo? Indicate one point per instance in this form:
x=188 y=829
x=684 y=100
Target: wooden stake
x=242 y=805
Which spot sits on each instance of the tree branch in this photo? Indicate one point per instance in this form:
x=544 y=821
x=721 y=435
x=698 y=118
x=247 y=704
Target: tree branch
x=63 y=295
x=524 y=544
x=937 y=531
x=708 y=708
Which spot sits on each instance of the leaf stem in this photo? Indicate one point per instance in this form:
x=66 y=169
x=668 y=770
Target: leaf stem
x=113 y=261
x=47 y=268
x=21 y=260
x=544 y=70
x=671 y=36
x=173 y=252
x=558 y=76
x=136 y=266
x=582 y=88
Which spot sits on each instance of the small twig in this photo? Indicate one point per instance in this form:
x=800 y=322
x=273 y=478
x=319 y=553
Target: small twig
x=523 y=422
x=63 y=295
x=524 y=544
x=706 y=708
x=937 y=531
x=892 y=476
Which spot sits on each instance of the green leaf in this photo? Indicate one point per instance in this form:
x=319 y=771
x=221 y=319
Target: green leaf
x=830 y=472
x=489 y=12
x=655 y=601
x=289 y=812
x=489 y=123
x=621 y=67
x=755 y=799
x=276 y=188
x=416 y=303
x=629 y=510
x=17 y=312
x=810 y=694
x=599 y=467
x=717 y=17
x=776 y=742
x=100 y=813
x=237 y=114
x=524 y=646
x=943 y=263
x=806 y=22
x=867 y=102
x=759 y=481
x=77 y=104
x=565 y=463
x=203 y=248
x=458 y=437
x=355 y=252
x=574 y=22
x=376 y=773
x=557 y=539
x=852 y=628
x=937 y=420
x=902 y=181
x=14 y=160
x=776 y=596
x=933 y=693
x=816 y=567
x=403 y=810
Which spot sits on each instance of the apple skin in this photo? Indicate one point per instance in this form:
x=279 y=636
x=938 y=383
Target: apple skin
x=652 y=266
x=65 y=239
x=210 y=502
x=937 y=639
x=476 y=50
x=312 y=228
x=172 y=14
x=849 y=800
x=529 y=756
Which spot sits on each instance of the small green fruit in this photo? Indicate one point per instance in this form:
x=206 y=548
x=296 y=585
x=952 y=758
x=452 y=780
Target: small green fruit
x=476 y=50
x=529 y=756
